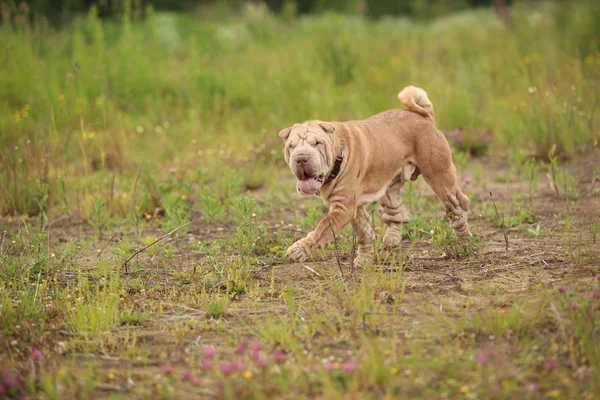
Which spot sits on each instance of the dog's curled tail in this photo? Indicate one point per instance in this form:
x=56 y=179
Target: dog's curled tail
x=416 y=100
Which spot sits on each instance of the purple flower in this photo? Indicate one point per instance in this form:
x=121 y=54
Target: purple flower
x=227 y=368
x=186 y=375
x=597 y=277
x=574 y=306
x=242 y=346
x=209 y=352
x=380 y=209
x=254 y=354
x=36 y=355
x=168 y=369
x=348 y=367
x=9 y=380
x=171 y=170
x=195 y=381
x=562 y=289
x=279 y=357
x=256 y=346
x=206 y=364
x=237 y=365
x=483 y=357
x=551 y=364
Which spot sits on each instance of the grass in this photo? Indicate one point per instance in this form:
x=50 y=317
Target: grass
x=117 y=132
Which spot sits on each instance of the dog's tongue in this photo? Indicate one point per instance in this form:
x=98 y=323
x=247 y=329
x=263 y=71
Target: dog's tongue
x=309 y=185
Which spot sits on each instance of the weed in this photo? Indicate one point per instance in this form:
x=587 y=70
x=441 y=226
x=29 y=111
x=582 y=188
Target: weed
x=216 y=308
x=444 y=239
x=562 y=183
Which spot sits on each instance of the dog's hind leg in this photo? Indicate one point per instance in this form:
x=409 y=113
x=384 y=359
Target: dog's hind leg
x=457 y=204
x=394 y=213
x=364 y=236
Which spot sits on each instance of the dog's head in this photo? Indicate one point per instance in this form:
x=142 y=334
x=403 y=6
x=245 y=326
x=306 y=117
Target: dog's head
x=309 y=153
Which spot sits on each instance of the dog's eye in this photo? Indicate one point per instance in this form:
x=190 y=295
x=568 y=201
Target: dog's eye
x=291 y=145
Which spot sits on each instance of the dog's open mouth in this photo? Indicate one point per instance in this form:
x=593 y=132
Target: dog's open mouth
x=310 y=185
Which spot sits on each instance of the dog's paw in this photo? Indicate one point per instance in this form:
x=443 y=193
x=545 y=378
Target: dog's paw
x=392 y=239
x=362 y=260
x=299 y=251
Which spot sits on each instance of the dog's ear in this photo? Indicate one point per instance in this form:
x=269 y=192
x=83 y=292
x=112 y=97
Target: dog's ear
x=327 y=127
x=284 y=133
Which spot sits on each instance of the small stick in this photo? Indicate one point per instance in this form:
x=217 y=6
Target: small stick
x=153 y=243
x=107 y=243
x=312 y=270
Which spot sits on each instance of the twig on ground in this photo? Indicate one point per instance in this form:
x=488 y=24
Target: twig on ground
x=107 y=243
x=312 y=270
x=152 y=244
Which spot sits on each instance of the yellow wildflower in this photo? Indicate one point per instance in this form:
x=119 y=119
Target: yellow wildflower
x=554 y=393
x=393 y=370
x=61 y=97
x=464 y=389
x=248 y=374
x=387 y=352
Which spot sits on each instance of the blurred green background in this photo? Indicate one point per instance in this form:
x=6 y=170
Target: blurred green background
x=96 y=98
x=63 y=10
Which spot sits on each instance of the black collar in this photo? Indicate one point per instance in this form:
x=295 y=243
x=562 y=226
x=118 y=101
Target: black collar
x=336 y=167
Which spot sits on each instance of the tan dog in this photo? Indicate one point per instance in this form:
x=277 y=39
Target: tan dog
x=354 y=163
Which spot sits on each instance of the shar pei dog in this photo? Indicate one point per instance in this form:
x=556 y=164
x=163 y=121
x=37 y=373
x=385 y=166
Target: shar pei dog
x=351 y=164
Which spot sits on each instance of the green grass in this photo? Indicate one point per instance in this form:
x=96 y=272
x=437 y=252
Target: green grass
x=115 y=132
x=84 y=106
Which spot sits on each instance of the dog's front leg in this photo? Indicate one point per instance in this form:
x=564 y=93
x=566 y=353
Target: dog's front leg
x=338 y=217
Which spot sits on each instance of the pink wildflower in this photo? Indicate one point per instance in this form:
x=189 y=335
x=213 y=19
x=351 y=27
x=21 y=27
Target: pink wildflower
x=36 y=355
x=186 y=375
x=227 y=368
x=168 y=369
x=483 y=357
x=328 y=365
x=206 y=364
x=551 y=364
x=237 y=365
x=254 y=354
x=9 y=380
x=209 y=352
x=574 y=306
x=279 y=357
x=348 y=367
x=562 y=289
x=256 y=346
x=195 y=381
x=242 y=346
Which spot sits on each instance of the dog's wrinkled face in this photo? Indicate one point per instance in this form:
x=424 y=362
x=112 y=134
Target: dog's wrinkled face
x=308 y=152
